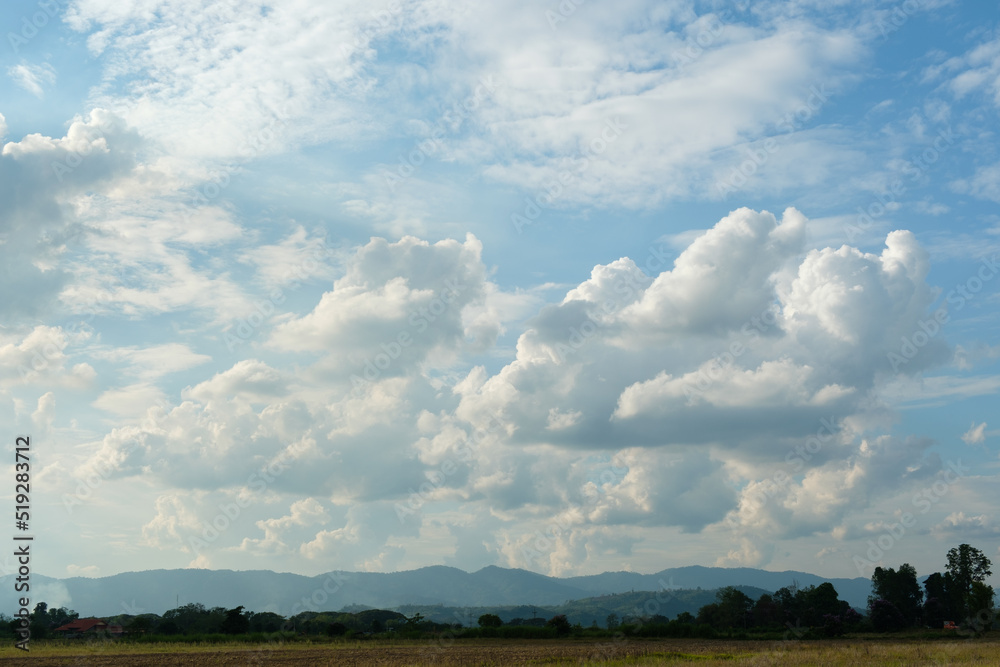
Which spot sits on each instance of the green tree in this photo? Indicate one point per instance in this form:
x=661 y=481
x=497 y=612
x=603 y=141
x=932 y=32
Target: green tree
x=265 y=621
x=734 y=607
x=236 y=622
x=981 y=606
x=612 y=621
x=39 y=623
x=767 y=612
x=967 y=565
x=139 y=625
x=490 y=621
x=61 y=616
x=900 y=589
x=561 y=625
x=885 y=617
x=192 y=618
x=710 y=614
x=942 y=601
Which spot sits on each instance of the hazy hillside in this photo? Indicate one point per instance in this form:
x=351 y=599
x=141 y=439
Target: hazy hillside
x=587 y=610
x=286 y=594
x=855 y=591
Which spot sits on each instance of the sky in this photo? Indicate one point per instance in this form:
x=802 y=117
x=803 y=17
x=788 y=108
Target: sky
x=565 y=286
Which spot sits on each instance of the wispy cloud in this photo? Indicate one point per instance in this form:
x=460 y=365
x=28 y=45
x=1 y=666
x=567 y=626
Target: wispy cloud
x=33 y=78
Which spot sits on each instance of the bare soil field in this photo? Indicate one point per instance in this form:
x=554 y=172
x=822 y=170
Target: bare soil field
x=522 y=652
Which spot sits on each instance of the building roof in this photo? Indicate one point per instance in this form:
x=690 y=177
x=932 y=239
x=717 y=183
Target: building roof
x=82 y=625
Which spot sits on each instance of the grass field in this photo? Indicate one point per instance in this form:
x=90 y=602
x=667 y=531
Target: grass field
x=522 y=652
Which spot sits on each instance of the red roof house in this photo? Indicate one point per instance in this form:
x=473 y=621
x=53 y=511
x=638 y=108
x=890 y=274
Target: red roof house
x=83 y=626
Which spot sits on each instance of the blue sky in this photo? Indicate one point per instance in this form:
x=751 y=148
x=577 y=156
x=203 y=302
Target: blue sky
x=569 y=287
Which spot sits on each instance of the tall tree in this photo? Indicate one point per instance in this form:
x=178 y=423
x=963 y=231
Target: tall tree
x=900 y=589
x=236 y=622
x=942 y=601
x=734 y=607
x=967 y=565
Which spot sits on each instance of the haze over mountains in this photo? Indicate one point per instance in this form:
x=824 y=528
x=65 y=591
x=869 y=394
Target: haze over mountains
x=156 y=591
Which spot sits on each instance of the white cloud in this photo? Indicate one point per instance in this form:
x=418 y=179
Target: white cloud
x=41 y=178
x=32 y=78
x=980 y=71
x=960 y=525
x=303 y=513
x=154 y=362
x=975 y=435
x=279 y=73
x=398 y=306
x=44 y=414
x=40 y=357
x=985 y=183
x=173 y=526
x=73 y=570
x=131 y=401
x=561 y=89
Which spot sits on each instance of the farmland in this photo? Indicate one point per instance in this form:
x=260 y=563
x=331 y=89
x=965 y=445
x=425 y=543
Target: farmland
x=521 y=652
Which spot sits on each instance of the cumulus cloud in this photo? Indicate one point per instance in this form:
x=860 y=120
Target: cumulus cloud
x=40 y=357
x=305 y=512
x=793 y=500
x=173 y=525
x=397 y=306
x=959 y=525
x=770 y=333
x=713 y=395
x=41 y=178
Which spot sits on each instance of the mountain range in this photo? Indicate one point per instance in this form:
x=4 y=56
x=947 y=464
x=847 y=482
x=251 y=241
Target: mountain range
x=287 y=594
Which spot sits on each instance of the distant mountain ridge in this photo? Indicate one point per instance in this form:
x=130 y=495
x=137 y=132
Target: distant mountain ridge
x=287 y=594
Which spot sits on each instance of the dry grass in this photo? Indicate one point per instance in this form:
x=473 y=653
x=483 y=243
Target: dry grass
x=704 y=653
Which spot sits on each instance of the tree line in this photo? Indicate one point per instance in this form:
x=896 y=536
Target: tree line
x=958 y=595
